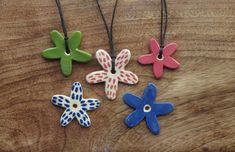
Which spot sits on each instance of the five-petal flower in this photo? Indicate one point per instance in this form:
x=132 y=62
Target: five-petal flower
x=75 y=106
x=111 y=79
x=58 y=52
x=158 y=63
x=145 y=107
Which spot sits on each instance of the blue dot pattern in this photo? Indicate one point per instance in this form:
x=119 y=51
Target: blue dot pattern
x=76 y=92
x=84 y=120
x=61 y=100
x=91 y=104
x=76 y=97
x=66 y=118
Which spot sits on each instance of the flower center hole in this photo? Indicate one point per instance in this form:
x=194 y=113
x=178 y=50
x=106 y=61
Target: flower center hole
x=75 y=105
x=160 y=56
x=147 y=108
x=67 y=53
x=113 y=71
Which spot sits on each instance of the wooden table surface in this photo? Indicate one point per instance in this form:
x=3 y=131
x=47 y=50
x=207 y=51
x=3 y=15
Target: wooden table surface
x=202 y=90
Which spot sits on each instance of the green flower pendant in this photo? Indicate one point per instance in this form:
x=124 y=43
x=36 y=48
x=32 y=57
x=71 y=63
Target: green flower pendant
x=59 y=51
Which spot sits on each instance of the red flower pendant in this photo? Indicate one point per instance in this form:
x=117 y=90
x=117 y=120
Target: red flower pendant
x=158 y=63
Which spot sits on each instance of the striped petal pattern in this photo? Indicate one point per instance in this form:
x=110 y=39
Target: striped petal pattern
x=111 y=79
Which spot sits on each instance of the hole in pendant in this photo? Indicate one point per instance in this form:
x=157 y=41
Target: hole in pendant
x=75 y=105
x=147 y=108
x=67 y=52
x=160 y=57
x=113 y=71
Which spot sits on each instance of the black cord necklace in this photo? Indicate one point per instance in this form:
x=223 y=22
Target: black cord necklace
x=160 y=54
x=163 y=29
x=66 y=38
x=66 y=48
x=110 y=33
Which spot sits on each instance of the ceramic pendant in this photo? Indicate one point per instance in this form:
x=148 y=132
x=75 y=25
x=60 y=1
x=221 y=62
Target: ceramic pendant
x=75 y=106
x=145 y=107
x=58 y=52
x=158 y=63
x=111 y=79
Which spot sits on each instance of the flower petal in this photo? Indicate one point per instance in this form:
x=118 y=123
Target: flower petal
x=111 y=87
x=146 y=59
x=104 y=59
x=154 y=47
x=83 y=118
x=134 y=118
x=127 y=77
x=76 y=92
x=169 y=49
x=133 y=101
x=80 y=56
x=66 y=65
x=90 y=104
x=150 y=93
x=52 y=53
x=58 y=39
x=61 y=101
x=67 y=117
x=151 y=121
x=171 y=63
x=122 y=59
x=75 y=40
x=97 y=77
x=161 y=109
x=158 y=69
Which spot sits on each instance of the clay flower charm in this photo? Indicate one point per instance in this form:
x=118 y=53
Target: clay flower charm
x=59 y=51
x=160 y=61
x=110 y=78
x=75 y=106
x=145 y=107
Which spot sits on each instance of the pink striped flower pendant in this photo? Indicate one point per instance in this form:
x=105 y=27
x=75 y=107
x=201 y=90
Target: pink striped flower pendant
x=159 y=63
x=111 y=79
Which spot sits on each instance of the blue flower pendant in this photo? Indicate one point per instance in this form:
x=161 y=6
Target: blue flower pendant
x=146 y=107
x=75 y=106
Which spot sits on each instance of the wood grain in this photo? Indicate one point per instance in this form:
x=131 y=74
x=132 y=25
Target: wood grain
x=203 y=89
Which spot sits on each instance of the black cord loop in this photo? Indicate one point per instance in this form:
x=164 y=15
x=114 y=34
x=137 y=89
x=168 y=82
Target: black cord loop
x=164 y=13
x=66 y=38
x=109 y=33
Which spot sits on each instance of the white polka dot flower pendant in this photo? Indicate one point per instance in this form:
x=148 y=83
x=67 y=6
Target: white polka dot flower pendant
x=75 y=106
x=110 y=77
